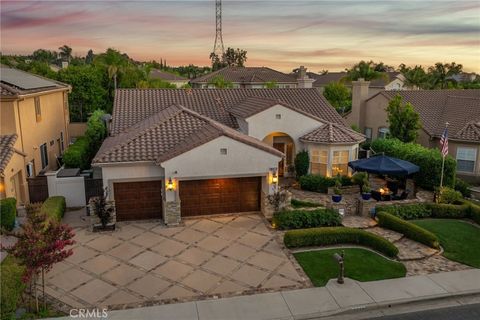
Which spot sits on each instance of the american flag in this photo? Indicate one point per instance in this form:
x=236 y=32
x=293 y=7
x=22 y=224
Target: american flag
x=444 y=142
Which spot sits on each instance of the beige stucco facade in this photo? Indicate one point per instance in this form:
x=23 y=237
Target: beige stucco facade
x=34 y=127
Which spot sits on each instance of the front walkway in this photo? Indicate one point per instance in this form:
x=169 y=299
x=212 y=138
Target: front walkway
x=317 y=302
x=146 y=263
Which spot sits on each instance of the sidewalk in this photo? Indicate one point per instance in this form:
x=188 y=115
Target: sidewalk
x=315 y=302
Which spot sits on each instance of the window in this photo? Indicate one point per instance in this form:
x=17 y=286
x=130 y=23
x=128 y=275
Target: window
x=30 y=170
x=340 y=163
x=466 y=159
x=318 y=162
x=278 y=116
x=368 y=133
x=44 y=155
x=223 y=151
x=38 y=109
x=383 y=132
x=62 y=143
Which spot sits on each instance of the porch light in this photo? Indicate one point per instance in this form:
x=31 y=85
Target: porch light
x=170 y=186
x=274 y=178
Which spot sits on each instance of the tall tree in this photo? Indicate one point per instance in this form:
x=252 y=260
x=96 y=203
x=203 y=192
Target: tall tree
x=403 y=119
x=42 y=55
x=89 y=57
x=339 y=96
x=440 y=74
x=235 y=58
x=364 y=70
x=219 y=82
x=217 y=63
x=415 y=77
x=65 y=53
x=114 y=62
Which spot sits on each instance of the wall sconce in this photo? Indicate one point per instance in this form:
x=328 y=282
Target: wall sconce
x=170 y=185
x=274 y=177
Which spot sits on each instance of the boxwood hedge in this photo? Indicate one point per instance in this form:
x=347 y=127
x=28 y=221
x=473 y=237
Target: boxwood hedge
x=298 y=219
x=54 y=207
x=12 y=286
x=338 y=235
x=8 y=211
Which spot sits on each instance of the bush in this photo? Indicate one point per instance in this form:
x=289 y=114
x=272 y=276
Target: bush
x=346 y=181
x=448 y=195
x=338 y=235
x=54 y=208
x=302 y=162
x=298 y=219
x=304 y=204
x=429 y=161
x=316 y=183
x=11 y=287
x=360 y=178
x=409 y=230
x=408 y=211
x=450 y=211
x=474 y=213
x=96 y=131
x=77 y=155
x=463 y=187
x=8 y=210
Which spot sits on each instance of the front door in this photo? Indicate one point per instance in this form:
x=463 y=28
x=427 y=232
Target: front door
x=280 y=146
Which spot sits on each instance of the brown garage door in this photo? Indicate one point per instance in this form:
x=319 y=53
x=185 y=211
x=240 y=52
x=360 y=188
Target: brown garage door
x=215 y=196
x=138 y=200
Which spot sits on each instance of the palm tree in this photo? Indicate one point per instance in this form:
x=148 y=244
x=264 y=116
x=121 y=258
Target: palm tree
x=114 y=62
x=440 y=74
x=415 y=77
x=364 y=70
x=65 y=53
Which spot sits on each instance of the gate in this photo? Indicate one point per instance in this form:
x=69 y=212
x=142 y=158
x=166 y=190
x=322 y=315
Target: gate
x=37 y=189
x=93 y=188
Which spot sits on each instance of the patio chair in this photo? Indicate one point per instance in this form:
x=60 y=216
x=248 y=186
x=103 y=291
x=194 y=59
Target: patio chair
x=402 y=196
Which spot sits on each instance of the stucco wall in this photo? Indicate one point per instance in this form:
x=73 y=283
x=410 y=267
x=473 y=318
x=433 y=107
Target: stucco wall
x=292 y=123
x=15 y=167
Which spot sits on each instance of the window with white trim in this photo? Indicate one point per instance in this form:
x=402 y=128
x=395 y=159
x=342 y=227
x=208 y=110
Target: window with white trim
x=466 y=158
x=340 y=162
x=318 y=162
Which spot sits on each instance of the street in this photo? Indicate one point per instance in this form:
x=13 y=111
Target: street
x=467 y=312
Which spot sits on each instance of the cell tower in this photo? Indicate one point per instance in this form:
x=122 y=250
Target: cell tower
x=218 y=48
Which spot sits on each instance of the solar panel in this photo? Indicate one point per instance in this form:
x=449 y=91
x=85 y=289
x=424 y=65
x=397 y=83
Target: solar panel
x=24 y=80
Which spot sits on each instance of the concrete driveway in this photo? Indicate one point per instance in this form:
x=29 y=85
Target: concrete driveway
x=144 y=263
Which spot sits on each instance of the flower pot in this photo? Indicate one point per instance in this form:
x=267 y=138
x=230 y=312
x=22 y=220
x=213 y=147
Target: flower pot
x=336 y=198
x=366 y=196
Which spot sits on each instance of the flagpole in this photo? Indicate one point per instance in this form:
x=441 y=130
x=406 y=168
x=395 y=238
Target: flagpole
x=443 y=158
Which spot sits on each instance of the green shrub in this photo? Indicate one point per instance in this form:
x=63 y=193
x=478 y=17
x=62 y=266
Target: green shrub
x=298 y=219
x=450 y=211
x=409 y=230
x=77 y=155
x=304 y=204
x=316 y=183
x=407 y=211
x=338 y=235
x=8 y=212
x=54 y=207
x=302 y=162
x=474 y=213
x=359 y=178
x=346 y=181
x=429 y=161
x=463 y=187
x=11 y=286
x=96 y=131
x=448 y=195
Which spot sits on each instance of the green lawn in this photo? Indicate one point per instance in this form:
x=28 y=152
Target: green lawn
x=360 y=264
x=459 y=239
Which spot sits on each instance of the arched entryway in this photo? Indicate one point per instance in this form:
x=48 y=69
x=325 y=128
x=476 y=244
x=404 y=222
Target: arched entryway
x=284 y=143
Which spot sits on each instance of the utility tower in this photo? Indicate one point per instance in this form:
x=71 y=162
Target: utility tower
x=218 y=48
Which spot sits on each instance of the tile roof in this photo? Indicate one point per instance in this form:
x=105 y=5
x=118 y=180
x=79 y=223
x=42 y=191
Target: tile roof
x=134 y=105
x=333 y=133
x=167 y=134
x=471 y=131
x=247 y=75
x=9 y=87
x=6 y=149
x=322 y=80
x=436 y=107
x=167 y=76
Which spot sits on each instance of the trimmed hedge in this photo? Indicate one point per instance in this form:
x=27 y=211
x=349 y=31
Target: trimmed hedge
x=54 y=208
x=475 y=212
x=302 y=163
x=408 y=211
x=77 y=155
x=408 y=229
x=463 y=187
x=429 y=161
x=8 y=211
x=448 y=211
x=298 y=219
x=304 y=204
x=338 y=235
x=11 y=285
x=316 y=183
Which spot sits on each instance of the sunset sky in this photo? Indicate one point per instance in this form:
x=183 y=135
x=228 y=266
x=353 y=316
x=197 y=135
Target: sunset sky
x=280 y=34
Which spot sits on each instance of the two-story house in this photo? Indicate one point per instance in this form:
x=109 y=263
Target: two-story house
x=34 y=120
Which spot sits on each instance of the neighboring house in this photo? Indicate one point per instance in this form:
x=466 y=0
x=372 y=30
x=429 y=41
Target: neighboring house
x=169 y=77
x=464 y=77
x=176 y=153
x=251 y=78
x=394 y=81
x=33 y=128
x=460 y=108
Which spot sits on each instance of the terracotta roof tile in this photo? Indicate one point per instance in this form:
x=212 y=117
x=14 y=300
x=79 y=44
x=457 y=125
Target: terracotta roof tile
x=471 y=132
x=247 y=75
x=167 y=76
x=322 y=80
x=6 y=149
x=333 y=133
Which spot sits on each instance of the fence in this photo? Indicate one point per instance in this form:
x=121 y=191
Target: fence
x=37 y=188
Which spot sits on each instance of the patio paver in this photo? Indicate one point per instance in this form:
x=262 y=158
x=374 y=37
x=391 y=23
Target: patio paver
x=250 y=275
x=169 y=247
x=149 y=286
x=123 y=274
x=148 y=260
x=201 y=280
x=173 y=270
x=94 y=291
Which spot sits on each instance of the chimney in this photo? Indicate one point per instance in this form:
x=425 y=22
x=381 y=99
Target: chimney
x=303 y=81
x=359 y=97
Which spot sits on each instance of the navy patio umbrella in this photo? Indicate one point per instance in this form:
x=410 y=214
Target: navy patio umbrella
x=383 y=164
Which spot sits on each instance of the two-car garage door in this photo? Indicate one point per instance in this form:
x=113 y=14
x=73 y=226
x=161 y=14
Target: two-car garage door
x=143 y=200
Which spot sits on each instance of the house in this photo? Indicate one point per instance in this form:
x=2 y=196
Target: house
x=168 y=77
x=33 y=128
x=460 y=108
x=176 y=153
x=252 y=77
x=393 y=81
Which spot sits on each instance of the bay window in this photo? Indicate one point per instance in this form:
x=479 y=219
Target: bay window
x=340 y=162
x=318 y=162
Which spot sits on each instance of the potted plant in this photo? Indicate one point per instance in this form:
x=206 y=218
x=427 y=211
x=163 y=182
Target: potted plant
x=366 y=192
x=337 y=192
x=104 y=212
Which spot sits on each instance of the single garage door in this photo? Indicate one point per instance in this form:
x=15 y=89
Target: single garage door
x=215 y=196
x=138 y=200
